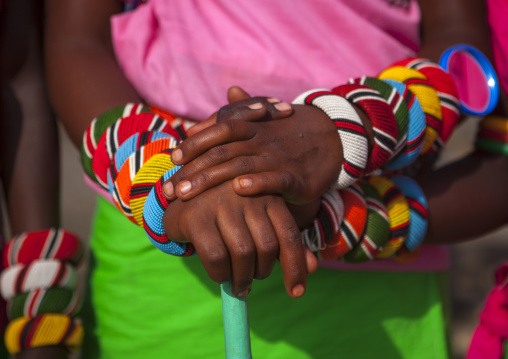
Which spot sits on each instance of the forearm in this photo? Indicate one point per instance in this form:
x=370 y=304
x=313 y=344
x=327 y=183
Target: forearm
x=466 y=198
x=84 y=79
x=447 y=23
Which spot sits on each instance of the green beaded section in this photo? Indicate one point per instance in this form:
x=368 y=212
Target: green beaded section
x=52 y=300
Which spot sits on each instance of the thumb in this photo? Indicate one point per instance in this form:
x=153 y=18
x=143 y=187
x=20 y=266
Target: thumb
x=236 y=93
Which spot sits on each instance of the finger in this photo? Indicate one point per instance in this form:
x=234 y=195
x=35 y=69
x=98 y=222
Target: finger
x=236 y=93
x=212 y=252
x=202 y=125
x=265 y=240
x=215 y=135
x=255 y=109
x=198 y=180
x=242 y=251
x=279 y=182
x=312 y=262
x=291 y=254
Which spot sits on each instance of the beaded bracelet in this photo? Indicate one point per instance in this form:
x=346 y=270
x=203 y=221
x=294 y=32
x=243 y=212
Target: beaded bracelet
x=153 y=213
x=117 y=133
x=352 y=226
x=39 y=274
x=377 y=229
x=327 y=221
x=42 y=301
x=417 y=212
x=349 y=127
x=446 y=91
x=415 y=128
x=380 y=115
x=43 y=330
x=397 y=104
x=427 y=96
x=398 y=213
x=493 y=135
x=97 y=128
x=120 y=188
x=53 y=243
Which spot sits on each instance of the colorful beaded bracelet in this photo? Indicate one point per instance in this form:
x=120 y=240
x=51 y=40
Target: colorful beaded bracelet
x=415 y=129
x=381 y=117
x=42 y=301
x=52 y=243
x=377 y=229
x=349 y=127
x=327 y=221
x=447 y=92
x=398 y=213
x=39 y=274
x=43 y=330
x=97 y=128
x=427 y=96
x=352 y=226
x=117 y=133
x=417 y=212
x=396 y=103
x=153 y=213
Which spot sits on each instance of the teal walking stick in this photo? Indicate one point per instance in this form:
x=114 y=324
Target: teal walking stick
x=235 y=319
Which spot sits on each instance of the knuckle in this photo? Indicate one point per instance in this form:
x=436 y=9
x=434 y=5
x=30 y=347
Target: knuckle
x=268 y=246
x=219 y=154
x=288 y=180
x=243 y=251
x=291 y=234
x=244 y=164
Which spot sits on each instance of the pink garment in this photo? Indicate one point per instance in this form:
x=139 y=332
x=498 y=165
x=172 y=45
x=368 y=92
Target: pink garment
x=497 y=12
x=183 y=55
x=487 y=342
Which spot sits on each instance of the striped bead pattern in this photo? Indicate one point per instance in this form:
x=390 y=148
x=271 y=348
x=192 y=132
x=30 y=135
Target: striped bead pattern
x=446 y=91
x=153 y=213
x=42 y=301
x=493 y=135
x=145 y=179
x=417 y=212
x=52 y=243
x=120 y=189
x=396 y=103
x=398 y=213
x=415 y=130
x=427 y=96
x=327 y=222
x=117 y=133
x=377 y=229
x=349 y=127
x=382 y=118
x=97 y=128
x=38 y=274
x=133 y=144
x=43 y=330
x=352 y=226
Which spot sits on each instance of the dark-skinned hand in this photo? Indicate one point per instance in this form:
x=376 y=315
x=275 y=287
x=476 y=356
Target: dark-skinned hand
x=240 y=238
x=297 y=155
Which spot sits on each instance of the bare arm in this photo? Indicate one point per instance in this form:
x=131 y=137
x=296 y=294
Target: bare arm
x=84 y=79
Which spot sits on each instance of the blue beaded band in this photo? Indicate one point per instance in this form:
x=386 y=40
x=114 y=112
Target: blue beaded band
x=153 y=213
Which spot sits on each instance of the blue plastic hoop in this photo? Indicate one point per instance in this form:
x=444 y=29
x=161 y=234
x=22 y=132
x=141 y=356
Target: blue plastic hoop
x=488 y=70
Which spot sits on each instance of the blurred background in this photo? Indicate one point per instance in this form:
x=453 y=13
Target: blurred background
x=473 y=263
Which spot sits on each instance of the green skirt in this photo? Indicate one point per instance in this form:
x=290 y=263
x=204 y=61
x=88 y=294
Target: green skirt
x=146 y=304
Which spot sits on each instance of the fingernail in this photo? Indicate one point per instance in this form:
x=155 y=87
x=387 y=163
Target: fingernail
x=244 y=293
x=177 y=155
x=185 y=187
x=272 y=99
x=282 y=106
x=168 y=189
x=298 y=290
x=256 y=106
x=245 y=182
